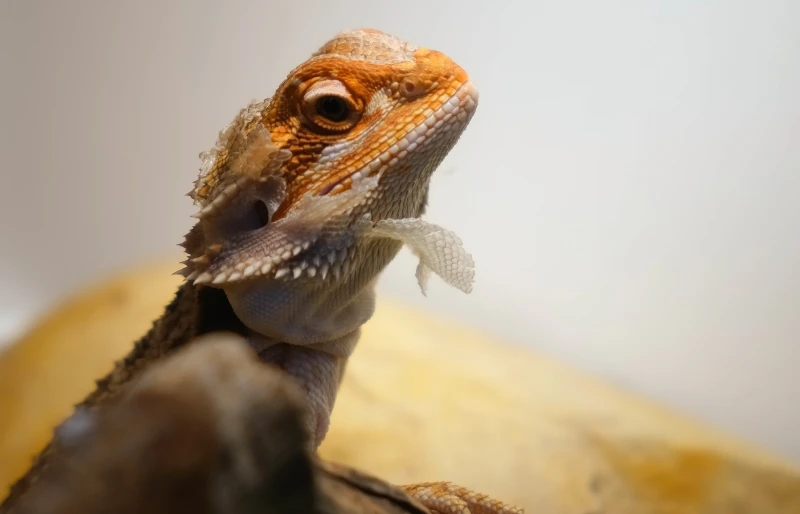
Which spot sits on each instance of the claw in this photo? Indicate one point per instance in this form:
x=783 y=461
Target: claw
x=447 y=498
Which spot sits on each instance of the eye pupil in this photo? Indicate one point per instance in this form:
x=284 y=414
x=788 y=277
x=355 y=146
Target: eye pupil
x=332 y=108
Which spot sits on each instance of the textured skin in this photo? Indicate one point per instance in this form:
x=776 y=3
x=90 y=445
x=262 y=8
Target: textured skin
x=305 y=199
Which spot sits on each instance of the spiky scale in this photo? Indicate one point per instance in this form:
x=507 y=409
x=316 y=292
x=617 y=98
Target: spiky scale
x=204 y=278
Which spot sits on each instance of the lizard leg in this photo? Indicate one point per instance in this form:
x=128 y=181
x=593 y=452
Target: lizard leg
x=318 y=372
x=447 y=498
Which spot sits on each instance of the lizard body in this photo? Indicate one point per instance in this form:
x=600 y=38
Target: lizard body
x=309 y=195
x=306 y=197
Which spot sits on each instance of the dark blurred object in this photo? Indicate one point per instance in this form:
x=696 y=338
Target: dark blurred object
x=208 y=430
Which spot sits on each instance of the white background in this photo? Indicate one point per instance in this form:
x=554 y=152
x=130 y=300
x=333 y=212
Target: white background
x=629 y=186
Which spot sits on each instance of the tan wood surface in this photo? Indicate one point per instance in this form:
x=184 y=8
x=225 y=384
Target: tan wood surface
x=425 y=399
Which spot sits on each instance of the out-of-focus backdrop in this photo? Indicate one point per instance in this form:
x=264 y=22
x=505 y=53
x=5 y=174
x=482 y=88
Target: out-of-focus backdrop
x=630 y=186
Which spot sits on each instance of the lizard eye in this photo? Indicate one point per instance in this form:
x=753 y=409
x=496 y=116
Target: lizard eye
x=332 y=108
x=329 y=107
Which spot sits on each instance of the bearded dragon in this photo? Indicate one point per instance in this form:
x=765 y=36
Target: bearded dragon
x=309 y=195
x=306 y=197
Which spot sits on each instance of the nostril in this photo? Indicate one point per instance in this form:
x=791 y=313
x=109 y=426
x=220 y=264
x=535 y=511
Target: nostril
x=262 y=213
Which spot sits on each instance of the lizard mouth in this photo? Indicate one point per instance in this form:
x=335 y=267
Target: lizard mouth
x=448 y=119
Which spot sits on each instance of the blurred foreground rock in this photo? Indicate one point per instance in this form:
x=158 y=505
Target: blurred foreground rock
x=207 y=430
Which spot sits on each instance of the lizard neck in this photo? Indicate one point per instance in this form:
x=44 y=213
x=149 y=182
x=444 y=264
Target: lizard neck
x=322 y=313
x=325 y=311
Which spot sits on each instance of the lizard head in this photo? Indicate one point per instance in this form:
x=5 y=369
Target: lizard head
x=350 y=137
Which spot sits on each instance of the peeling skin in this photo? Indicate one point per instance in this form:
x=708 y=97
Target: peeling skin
x=308 y=195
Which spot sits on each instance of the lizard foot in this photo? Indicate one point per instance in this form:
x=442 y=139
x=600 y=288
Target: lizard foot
x=447 y=498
